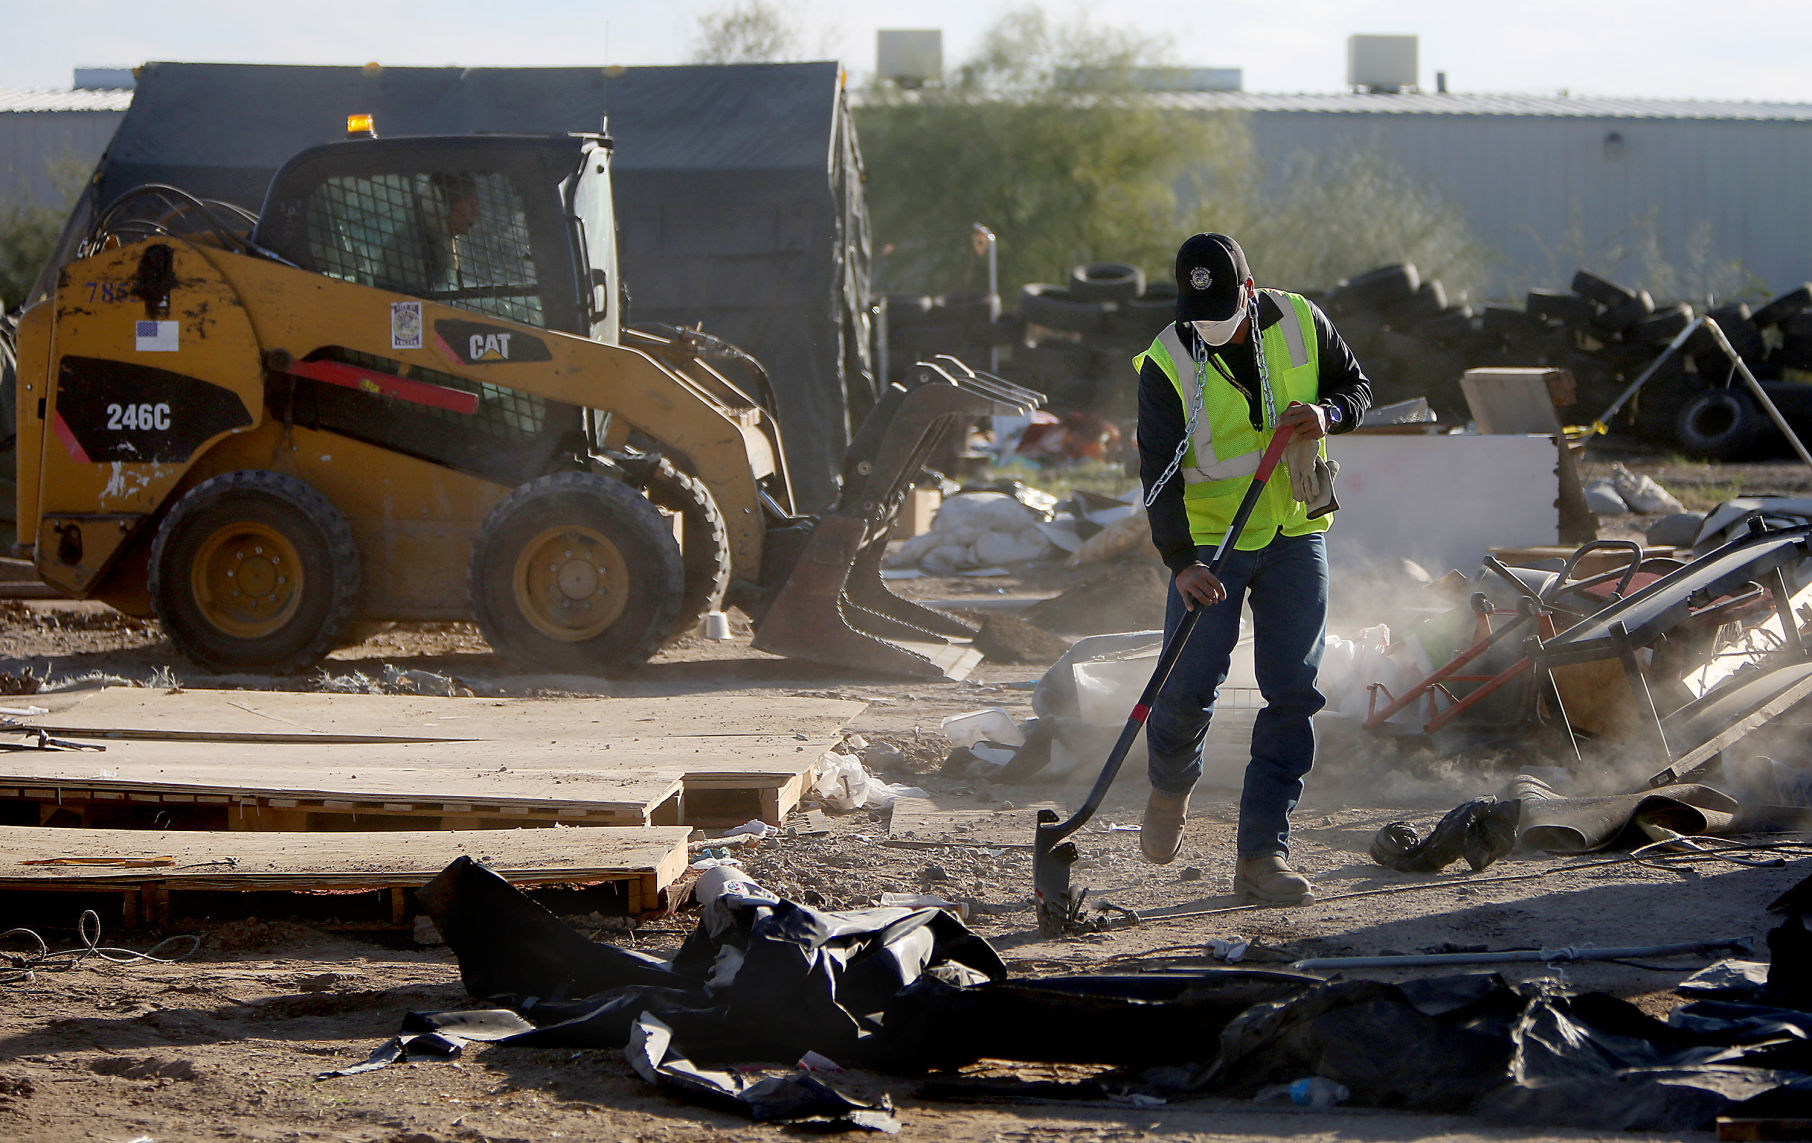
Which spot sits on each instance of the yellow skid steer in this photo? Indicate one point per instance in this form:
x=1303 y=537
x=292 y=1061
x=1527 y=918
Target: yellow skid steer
x=402 y=391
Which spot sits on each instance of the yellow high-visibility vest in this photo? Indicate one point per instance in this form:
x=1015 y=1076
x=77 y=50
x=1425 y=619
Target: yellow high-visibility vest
x=1223 y=453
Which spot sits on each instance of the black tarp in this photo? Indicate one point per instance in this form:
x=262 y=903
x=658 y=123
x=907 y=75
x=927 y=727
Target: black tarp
x=738 y=192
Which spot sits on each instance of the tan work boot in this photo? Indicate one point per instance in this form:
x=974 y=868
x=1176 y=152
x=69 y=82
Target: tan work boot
x=1161 y=830
x=1270 y=881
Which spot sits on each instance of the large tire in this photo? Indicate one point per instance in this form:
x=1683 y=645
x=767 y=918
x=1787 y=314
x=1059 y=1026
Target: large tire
x=1717 y=423
x=1379 y=289
x=1780 y=309
x=1560 y=305
x=1056 y=308
x=1601 y=290
x=1450 y=325
x=576 y=572
x=1429 y=300
x=1663 y=325
x=704 y=542
x=1107 y=282
x=254 y=571
x=1622 y=317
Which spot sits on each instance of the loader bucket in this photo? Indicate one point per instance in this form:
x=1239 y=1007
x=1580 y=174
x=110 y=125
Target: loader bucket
x=833 y=607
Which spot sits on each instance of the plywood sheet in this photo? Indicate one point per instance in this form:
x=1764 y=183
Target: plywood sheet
x=217 y=860
x=279 y=716
x=924 y=822
x=608 y=781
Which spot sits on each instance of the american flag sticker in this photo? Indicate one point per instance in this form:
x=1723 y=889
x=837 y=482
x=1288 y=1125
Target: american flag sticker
x=157 y=337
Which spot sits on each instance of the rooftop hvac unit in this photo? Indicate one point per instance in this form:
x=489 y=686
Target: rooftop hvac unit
x=1381 y=63
x=910 y=57
x=104 y=78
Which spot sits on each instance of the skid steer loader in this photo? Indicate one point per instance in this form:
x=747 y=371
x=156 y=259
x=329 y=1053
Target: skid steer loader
x=402 y=392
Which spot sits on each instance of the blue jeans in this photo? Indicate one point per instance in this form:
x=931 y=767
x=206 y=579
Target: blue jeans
x=1286 y=583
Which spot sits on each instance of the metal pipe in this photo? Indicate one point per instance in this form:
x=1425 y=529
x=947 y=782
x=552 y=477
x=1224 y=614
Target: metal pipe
x=1761 y=394
x=1522 y=956
x=1673 y=347
x=983 y=234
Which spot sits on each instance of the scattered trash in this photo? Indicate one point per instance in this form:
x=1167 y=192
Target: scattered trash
x=1311 y=1092
x=755 y=828
x=1642 y=494
x=975 y=530
x=1677 y=530
x=924 y=901
x=1602 y=499
x=715 y=862
x=841 y=782
x=991 y=724
x=1481 y=831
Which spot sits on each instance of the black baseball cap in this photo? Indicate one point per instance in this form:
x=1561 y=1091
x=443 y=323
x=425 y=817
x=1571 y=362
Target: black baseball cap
x=1210 y=270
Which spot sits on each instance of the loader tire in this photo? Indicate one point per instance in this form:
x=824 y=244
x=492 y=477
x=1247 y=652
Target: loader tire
x=704 y=542
x=576 y=572
x=254 y=571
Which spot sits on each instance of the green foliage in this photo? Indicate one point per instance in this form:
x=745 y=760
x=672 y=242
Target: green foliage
x=1050 y=138
x=1701 y=275
x=1043 y=139
x=747 y=31
x=1325 y=217
x=29 y=232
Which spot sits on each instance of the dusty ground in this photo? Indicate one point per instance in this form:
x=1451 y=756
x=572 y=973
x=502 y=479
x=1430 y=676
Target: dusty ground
x=225 y=1045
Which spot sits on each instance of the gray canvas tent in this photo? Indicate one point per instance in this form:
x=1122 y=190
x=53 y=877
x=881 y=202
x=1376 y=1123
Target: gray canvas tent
x=738 y=191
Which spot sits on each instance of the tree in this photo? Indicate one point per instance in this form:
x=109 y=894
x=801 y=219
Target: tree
x=28 y=232
x=1050 y=137
x=1044 y=138
x=748 y=31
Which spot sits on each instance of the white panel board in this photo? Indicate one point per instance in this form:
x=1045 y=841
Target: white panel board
x=1440 y=500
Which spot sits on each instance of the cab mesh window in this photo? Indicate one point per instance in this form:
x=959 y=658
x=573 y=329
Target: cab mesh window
x=457 y=237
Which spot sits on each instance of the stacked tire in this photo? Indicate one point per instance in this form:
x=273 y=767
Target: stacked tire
x=1080 y=337
x=962 y=325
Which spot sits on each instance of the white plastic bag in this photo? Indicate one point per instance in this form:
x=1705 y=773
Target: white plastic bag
x=990 y=724
x=1642 y=494
x=843 y=783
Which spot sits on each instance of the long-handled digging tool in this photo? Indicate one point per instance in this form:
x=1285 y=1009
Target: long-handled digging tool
x=1059 y=909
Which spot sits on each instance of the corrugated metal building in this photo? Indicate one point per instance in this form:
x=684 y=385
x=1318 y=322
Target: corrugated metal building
x=49 y=138
x=1550 y=182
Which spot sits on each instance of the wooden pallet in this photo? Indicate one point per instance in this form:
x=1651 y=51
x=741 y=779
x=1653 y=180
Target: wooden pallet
x=252 y=760
x=161 y=876
x=285 y=716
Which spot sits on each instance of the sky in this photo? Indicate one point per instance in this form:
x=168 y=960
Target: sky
x=1668 y=49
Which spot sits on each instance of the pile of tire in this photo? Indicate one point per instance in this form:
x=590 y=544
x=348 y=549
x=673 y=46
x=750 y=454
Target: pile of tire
x=963 y=325
x=1080 y=337
x=1413 y=343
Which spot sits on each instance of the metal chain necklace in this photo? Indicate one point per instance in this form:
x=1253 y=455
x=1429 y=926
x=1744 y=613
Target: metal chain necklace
x=1199 y=354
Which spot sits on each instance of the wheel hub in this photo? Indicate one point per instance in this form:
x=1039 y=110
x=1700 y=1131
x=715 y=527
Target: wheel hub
x=247 y=579
x=571 y=583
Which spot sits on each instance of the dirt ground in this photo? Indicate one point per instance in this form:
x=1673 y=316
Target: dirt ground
x=226 y=1044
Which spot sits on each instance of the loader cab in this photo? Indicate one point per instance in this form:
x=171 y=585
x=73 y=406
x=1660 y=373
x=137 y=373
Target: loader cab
x=513 y=226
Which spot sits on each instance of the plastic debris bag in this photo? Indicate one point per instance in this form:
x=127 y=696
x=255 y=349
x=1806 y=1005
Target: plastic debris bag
x=841 y=782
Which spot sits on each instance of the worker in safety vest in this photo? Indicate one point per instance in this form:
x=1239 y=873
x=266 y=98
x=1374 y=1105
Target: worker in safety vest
x=1213 y=388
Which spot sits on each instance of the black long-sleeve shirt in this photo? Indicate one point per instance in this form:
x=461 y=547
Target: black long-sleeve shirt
x=1163 y=417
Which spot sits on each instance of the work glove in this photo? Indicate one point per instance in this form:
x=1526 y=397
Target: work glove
x=1311 y=477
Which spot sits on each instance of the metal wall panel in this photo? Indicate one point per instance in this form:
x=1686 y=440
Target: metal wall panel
x=1550 y=194
x=36 y=145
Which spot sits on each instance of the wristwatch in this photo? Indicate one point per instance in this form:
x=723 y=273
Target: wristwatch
x=1334 y=414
